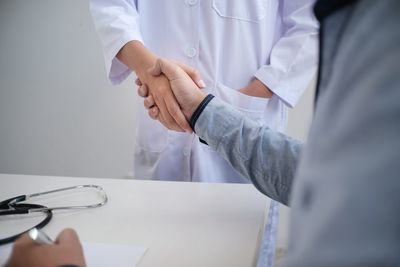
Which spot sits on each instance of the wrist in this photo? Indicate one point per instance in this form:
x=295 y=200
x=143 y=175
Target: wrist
x=142 y=70
x=257 y=89
x=138 y=58
x=194 y=105
x=198 y=110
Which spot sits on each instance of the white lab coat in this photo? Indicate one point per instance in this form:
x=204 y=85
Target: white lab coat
x=230 y=42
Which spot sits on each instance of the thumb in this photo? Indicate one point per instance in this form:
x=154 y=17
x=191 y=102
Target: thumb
x=193 y=73
x=166 y=67
x=68 y=237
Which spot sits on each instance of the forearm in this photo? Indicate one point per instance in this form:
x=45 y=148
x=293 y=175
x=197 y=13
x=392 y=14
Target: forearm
x=266 y=157
x=117 y=23
x=293 y=58
x=137 y=57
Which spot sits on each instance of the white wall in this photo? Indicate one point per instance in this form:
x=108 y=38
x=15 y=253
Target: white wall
x=300 y=117
x=58 y=113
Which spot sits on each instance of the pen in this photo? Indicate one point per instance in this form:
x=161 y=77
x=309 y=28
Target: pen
x=40 y=237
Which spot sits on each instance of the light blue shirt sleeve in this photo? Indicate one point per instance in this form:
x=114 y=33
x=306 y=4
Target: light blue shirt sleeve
x=266 y=157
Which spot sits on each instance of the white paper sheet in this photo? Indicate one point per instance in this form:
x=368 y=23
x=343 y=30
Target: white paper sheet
x=98 y=254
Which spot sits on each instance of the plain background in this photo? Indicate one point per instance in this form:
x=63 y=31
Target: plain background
x=59 y=115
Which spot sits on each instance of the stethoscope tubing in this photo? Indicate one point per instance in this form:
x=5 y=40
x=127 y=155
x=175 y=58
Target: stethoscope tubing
x=12 y=206
x=43 y=223
x=44 y=208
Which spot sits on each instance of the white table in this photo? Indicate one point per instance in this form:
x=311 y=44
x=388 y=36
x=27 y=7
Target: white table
x=181 y=224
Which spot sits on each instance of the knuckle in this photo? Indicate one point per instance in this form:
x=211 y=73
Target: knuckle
x=69 y=231
x=151 y=114
x=150 y=99
x=145 y=103
x=153 y=111
x=141 y=92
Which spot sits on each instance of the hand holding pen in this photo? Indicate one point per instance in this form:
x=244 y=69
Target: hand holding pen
x=40 y=237
x=35 y=249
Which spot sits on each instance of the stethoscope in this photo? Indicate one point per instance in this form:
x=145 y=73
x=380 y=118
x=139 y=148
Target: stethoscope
x=12 y=206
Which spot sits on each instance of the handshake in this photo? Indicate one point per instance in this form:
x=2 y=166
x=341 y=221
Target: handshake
x=174 y=98
x=172 y=92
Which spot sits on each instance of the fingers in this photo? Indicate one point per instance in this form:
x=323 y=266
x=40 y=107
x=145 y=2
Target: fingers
x=143 y=90
x=149 y=102
x=176 y=112
x=138 y=82
x=68 y=236
x=161 y=119
x=69 y=248
x=22 y=247
x=160 y=95
x=193 y=74
x=165 y=117
x=154 y=112
x=25 y=240
x=167 y=106
x=173 y=70
x=66 y=251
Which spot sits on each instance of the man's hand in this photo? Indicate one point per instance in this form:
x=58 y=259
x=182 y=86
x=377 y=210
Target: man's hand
x=258 y=89
x=181 y=79
x=66 y=251
x=170 y=113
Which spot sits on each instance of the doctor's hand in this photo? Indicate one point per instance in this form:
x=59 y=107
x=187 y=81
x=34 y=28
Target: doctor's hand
x=67 y=251
x=186 y=91
x=139 y=58
x=159 y=94
x=257 y=89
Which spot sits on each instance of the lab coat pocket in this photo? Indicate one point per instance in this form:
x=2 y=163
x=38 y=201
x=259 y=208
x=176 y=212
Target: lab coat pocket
x=246 y=10
x=151 y=135
x=252 y=107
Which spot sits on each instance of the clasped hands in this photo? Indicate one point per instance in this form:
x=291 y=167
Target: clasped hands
x=174 y=102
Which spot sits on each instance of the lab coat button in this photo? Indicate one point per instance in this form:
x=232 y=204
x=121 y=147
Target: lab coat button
x=191 y=2
x=191 y=52
x=185 y=152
